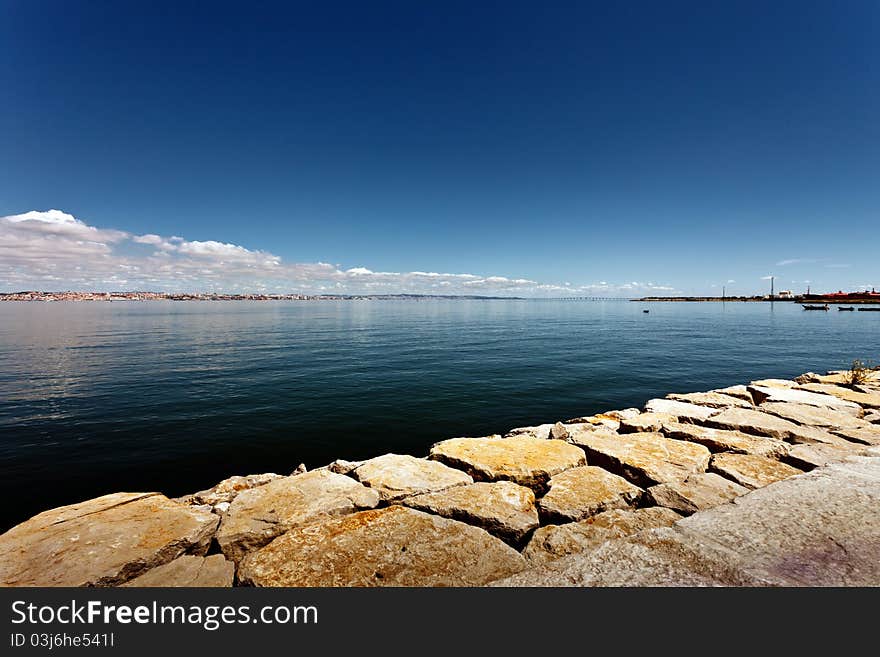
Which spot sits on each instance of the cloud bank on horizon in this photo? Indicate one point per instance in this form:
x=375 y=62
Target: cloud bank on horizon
x=53 y=250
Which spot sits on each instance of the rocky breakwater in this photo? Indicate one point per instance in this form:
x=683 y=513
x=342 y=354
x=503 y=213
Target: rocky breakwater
x=772 y=482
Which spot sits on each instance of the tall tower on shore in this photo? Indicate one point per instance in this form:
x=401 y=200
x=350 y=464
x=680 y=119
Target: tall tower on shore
x=772 y=281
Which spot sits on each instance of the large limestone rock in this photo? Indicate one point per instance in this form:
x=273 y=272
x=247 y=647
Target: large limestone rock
x=522 y=459
x=711 y=399
x=738 y=391
x=537 y=431
x=684 y=411
x=815 y=455
x=395 y=476
x=581 y=492
x=863 y=399
x=645 y=422
x=751 y=471
x=819 y=529
x=555 y=541
x=696 y=493
x=873 y=417
x=258 y=515
x=830 y=378
x=656 y=557
x=191 y=571
x=644 y=459
x=394 y=546
x=502 y=508
x=102 y=542
x=762 y=394
x=764 y=424
x=227 y=489
x=774 y=383
x=722 y=440
x=869 y=434
x=816 y=416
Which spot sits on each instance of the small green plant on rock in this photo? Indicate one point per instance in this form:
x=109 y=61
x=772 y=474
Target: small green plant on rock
x=859 y=372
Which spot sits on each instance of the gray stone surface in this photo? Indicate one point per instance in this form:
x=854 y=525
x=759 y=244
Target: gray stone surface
x=502 y=508
x=581 y=492
x=395 y=476
x=696 y=493
x=394 y=546
x=102 y=542
x=819 y=529
x=189 y=570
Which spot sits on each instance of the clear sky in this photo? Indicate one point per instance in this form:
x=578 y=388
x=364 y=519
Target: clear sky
x=532 y=149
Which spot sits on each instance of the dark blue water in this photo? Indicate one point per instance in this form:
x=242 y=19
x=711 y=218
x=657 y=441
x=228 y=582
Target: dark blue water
x=174 y=396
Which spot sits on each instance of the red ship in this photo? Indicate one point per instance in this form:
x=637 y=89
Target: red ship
x=845 y=297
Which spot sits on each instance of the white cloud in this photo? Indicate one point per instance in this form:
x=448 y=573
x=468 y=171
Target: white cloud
x=53 y=250
x=795 y=261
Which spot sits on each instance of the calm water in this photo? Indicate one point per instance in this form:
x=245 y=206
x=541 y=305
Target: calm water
x=174 y=396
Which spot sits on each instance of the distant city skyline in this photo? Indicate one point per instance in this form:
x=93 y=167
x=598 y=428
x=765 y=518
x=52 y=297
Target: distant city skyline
x=533 y=150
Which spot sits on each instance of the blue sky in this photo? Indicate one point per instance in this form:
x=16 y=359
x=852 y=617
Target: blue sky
x=516 y=148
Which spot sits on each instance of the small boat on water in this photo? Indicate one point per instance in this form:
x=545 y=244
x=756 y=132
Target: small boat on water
x=806 y=307
x=845 y=308
x=867 y=310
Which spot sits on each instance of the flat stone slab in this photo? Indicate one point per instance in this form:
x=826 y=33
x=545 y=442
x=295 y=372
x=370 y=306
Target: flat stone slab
x=644 y=459
x=724 y=440
x=394 y=546
x=763 y=394
x=555 y=541
x=227 y=489
x=815 y=416
x=774 y=383
x=537 y=431
x=765 y=424
x=105 y=541
x=502 y=508
x=751 y=471
x=682 y=410
x=582 y=492
x=696 y=493
x=655 y=557
x=189 y=570
x=868 y=434
x=863 y=399
x=738 y=391
x=395 y=476
x=816 y=455
x=819 y=529
x=258 y=515
x=521 y=459
x=813 y=377
x=711 y=399
x=646 y=422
